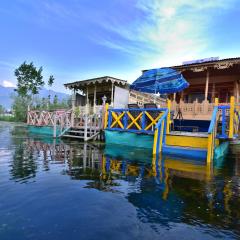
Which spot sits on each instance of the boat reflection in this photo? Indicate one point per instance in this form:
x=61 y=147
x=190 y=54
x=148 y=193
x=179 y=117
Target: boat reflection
x=164 y=188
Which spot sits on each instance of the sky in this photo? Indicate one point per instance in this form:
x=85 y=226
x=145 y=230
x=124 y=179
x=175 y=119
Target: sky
x=80 y=39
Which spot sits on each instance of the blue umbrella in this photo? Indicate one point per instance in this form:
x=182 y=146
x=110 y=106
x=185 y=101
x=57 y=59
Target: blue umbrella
x=160 y=80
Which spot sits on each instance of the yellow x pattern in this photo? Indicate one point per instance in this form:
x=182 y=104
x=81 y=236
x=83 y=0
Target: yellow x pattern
x=154 y=121
x=134 y=120
x=117 y=119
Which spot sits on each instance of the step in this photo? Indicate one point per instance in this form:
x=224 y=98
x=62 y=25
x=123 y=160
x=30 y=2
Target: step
x=188 y=152
x=187 y=139
x=72 y=136
x=74 y=131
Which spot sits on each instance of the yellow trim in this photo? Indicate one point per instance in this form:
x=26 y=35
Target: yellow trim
x=184 y=166
x=161 y=137
x=117 y=119
x=154 y=121
x=187 y=141
x=155 y=142
x=134 y=120
x=210 y=148
x=231 y=117
x=166 y=189
x=169 y=116
x=106 y=115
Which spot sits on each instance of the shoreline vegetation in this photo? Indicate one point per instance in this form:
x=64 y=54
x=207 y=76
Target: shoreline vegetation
x=29 y=83
x=8 y=119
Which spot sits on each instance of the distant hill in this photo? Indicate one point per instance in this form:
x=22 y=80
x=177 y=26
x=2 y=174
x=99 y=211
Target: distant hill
x=7 y=92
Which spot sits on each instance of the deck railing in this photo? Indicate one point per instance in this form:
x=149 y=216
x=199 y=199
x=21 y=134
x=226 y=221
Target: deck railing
x=138 y=120
x=195 y=110
x=160 y=133
x=212 y=133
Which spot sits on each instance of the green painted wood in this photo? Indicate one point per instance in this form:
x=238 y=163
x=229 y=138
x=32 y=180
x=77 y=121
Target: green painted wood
x=43 y=130
x=129 y=139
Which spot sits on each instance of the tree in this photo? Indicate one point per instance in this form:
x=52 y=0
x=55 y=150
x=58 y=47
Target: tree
x=55 y=100
x=20 y=105
x=29 y=79
x=50 y=81
x=2 y=110
x=29 y=83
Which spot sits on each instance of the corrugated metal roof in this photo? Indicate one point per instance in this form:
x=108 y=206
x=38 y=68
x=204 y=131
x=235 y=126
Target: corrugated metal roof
x=208 y=62
x=236 y=59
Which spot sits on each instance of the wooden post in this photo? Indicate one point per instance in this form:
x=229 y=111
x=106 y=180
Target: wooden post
x=105 y=118
x=206 y=86
x=85 y=127
x=231 y=120
x=237 y=92
x=86 y=106
x=94 y=100
x=28 y=112
x=55 y=126
x=112 y=94
x=213 y=92
x=73 y=108
x=169 y=115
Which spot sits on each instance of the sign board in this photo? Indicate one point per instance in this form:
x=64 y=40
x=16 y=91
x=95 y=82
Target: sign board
x=121 y=97
x=201 y=60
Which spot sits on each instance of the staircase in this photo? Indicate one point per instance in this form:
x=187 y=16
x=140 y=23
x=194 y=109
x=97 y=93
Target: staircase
x=198 y=145
x=81 y=133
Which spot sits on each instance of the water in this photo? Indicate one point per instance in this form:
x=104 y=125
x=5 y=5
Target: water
x=70 y=190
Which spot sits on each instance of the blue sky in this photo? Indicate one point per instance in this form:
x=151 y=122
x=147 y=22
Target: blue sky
x=80 y=39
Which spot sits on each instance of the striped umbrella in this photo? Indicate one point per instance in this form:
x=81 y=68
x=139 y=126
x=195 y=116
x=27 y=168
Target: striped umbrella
x=160 y=80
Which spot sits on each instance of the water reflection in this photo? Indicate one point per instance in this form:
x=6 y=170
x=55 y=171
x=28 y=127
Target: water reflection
x=163 y=190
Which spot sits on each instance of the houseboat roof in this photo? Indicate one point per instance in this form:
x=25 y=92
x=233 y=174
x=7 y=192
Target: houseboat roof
x=218 y=64
x=87 y=82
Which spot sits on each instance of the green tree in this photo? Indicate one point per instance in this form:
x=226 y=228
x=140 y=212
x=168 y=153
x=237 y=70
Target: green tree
x=55 y=100
x=2 y=110
x=29 y=79
x=20 y=105
x=29 y=83
x=50 y=81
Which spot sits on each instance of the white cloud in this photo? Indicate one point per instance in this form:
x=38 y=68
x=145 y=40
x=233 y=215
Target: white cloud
x=6 y=83
x=168 y=31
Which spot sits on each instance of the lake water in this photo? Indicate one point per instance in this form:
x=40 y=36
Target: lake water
x=70 y=190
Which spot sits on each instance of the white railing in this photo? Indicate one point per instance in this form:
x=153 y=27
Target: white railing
x=63 y=120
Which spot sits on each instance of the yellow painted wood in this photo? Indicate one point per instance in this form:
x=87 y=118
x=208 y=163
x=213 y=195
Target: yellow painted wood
x=209 y=148
x=117 y=119
x=216 y=102
x=169 y=116
x=134 y=120
x=106 y=115
x=231 y=120
x=184 y=166
x=161 y=137
x=155 y=142
x=188 y=141
x=154 y=121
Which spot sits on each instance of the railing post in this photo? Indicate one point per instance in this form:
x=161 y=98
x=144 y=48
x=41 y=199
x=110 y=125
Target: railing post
x=72 y=116
x=169 y=115
x=125 y=120
x=106 y=115
x=85 y=127
x=155 y=141
x=28 y=112
x=55 y=126
x=231 y=118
